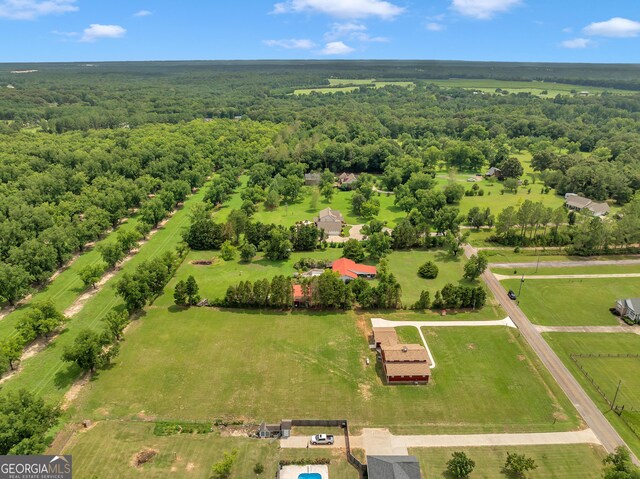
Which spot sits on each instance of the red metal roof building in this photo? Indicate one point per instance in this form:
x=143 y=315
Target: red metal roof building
x=349 y=269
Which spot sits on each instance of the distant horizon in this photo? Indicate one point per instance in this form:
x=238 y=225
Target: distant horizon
x=319 y=60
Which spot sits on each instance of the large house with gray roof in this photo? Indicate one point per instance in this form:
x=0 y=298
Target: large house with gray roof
x=585 y=205
x=629 y=308
x=393 y=467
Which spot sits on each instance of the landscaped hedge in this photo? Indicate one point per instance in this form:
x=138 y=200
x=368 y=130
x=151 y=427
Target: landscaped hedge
x=305 y=462
x=169 y=428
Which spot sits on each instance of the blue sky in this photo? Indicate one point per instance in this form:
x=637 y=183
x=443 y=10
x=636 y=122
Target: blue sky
x=497 y=30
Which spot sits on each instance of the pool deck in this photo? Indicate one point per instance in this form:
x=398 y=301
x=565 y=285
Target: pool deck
x=294 y=472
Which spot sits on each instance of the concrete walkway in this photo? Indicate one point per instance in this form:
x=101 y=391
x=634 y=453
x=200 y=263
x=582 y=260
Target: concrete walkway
x=501 y=277
x=588 y=329
x=385 y=323
x=567 y=264
x=382 y=442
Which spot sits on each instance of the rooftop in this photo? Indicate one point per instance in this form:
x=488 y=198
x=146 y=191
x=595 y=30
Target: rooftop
x=407 y=369
x=393 y=467
x=347 y=267
x=405 y=352
x=385 y=336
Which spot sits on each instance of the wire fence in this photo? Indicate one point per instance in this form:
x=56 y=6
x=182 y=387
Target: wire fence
x=619 y=410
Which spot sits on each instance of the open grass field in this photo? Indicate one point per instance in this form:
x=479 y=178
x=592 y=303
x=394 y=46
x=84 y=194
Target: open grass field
x=573 y=302
x=45 y=373
x=348 y=85
x=288 y=215
x=202 y=363
x=534 y=87
x=606 y=372
x=214 y=279
x=580 y=461
x=107 y=451
x=591 y=269
x=66 y=287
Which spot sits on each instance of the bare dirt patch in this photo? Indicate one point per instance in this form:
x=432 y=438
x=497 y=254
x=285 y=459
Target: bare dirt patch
x=472 y=346
x=144 y=456
x=190 y=466
x=365 y=391
x=74 y=391
x=522 y=357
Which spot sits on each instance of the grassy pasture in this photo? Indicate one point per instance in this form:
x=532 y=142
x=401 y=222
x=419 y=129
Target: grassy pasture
x=348 y=85
x=580 y=461
x=606 y=372
x=202 y=363
x=107 y=451
x=572 y=302
x=533 y=87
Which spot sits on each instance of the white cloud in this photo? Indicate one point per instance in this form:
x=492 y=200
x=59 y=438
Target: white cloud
x=352 y=31
x=97 y=31
x=341 y=8
x=336 y=48
x=64 y=34
x=435 y=27
x=30 y=9
x=616 y=27
x=291 y=43
x=577 y=43
x=142 y=13
x=483 y=9
x=567 y=30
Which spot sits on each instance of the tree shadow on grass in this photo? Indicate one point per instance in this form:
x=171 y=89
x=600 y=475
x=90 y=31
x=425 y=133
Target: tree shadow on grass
x=445 y=257
x=65 y=378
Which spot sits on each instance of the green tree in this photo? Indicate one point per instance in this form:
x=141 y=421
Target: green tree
x=191 y=288
x=476 y=265
x=379 y=245
x=89 y=351
x=272 y=200
x=25 y=420
x=133 y=291
x=424 y=302
x=11 y=350
x=618 y=465
x=428 y=270
x=111 y=253
x=14 y=283
x=453 y=192
x=353 y=250
x=42 y=320
x=404 y=235
x=454 y=242
x=153 y=212
x=228 y=251
x=460 y=465
x=222 y=469
x=278 y=247
x=180 y=296
x=91 y=274
x=127 y=239
x=519 y=464
x=247 y=252
x=115 y=322
x=511 y=168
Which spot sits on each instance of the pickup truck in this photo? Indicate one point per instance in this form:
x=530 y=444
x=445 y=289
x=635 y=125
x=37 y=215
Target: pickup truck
x=321 y=439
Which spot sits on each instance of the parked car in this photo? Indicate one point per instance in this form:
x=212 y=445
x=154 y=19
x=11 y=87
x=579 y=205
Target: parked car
x=471 y=180
x=322 y=439
x=511 y=294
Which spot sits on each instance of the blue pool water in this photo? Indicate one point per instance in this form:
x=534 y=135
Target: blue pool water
x=310 y=475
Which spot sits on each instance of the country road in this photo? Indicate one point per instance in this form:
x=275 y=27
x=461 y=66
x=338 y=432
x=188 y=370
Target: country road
x=603 y=430
x=567 y=264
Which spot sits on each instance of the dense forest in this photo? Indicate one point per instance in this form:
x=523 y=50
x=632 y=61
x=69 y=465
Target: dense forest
x=82 y=146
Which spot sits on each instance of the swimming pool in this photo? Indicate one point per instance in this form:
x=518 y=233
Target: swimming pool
x=310 y=475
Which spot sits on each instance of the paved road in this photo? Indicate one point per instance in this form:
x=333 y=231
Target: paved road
x=621 y=328
x=605 y=433
x=501 y=277
x=567 y=264
x=382 y=442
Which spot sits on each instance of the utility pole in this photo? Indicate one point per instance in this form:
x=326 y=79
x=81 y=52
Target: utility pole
x=520 y=289
x=615 y=396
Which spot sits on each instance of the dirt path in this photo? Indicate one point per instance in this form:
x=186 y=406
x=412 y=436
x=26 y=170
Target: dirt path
x=382 y=442
x=622 y=328
x=501 y=277
x=568 y=264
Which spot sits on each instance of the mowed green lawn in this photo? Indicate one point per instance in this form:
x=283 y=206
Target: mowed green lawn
x=213 y=280
x=107 y=451
x=533 y=87
x=572 y=302
x=45 y=373
x=607 y=372
x=579 y=461
x=203 y=363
